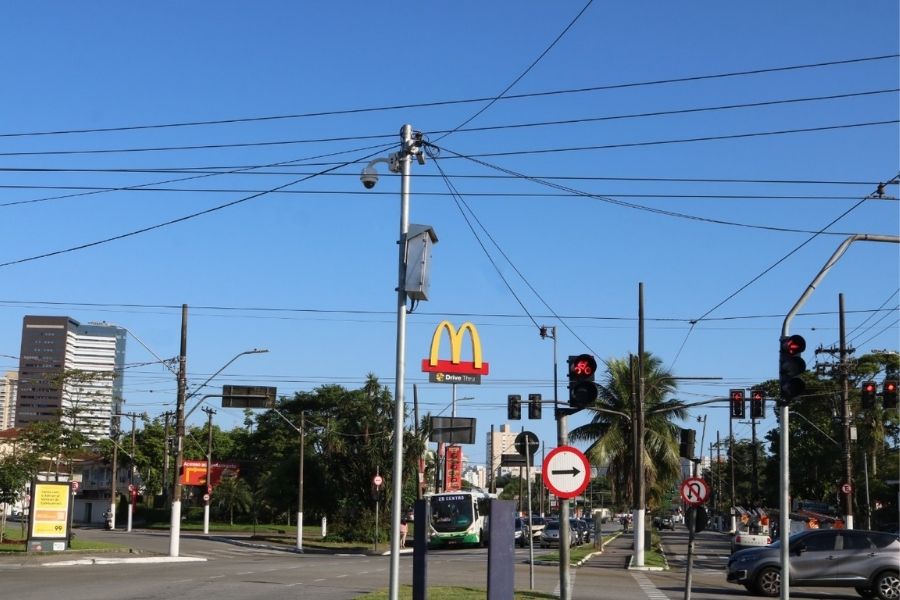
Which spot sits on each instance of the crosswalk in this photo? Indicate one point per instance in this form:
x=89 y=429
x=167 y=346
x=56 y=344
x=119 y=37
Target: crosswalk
x=230 y=552
x=703 y=563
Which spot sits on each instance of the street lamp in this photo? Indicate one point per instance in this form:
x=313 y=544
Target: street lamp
x=399 y=162
x=181 y=417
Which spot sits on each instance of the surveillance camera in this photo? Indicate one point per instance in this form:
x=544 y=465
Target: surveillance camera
x=369 y=177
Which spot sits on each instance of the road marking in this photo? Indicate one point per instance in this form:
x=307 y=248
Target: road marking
x=246 y=573
x=647 y=586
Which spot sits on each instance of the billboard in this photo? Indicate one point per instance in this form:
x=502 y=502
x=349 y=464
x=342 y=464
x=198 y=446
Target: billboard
x=453 y=469
x=50 y=506
x=193 y=472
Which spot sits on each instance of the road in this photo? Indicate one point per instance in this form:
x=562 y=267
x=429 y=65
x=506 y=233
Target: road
x=229 y=570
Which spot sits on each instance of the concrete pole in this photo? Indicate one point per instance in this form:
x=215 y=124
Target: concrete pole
x=175 y=520
x=208 y=495
x=131 y=490
x=845 y=420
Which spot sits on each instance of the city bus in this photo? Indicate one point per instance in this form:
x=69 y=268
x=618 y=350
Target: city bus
x=459 y=518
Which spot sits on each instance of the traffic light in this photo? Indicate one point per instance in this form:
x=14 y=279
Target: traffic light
x=889 y=394
x=686 y=448
x=868 y=393
x=791 y=366
x=514 y=407
x=738 y=404
x=582 y=389
x=534 y=406
x=757 y=404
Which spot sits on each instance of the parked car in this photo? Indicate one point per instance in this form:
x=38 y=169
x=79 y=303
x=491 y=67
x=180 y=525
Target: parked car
x=868 y=561
x=550 y=535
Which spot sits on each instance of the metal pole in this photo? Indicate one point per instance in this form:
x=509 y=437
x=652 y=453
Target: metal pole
x=131 y=491
x=754 y=491
x=115 y=467
x=175 y=519
x=528 y=456
x=404 y=159
x=731 y=467
x=868 y=505
x=845 y=420
x=165 y=478
x=784 y=446
x=300 y=482
x=208 y=495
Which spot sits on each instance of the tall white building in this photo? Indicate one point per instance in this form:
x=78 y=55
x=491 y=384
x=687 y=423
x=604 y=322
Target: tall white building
x=9 y=385
x=499 y=443
x=70 y=370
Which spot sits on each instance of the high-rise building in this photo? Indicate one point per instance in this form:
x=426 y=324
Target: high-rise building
x=70 y=371
x=499 y=443
x=9 y=385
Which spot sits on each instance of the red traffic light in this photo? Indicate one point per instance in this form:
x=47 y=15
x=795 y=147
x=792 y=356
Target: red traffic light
x=890 y=387
x=582 y=366
x=793 y=345
x=756 y=395
x=869 y=387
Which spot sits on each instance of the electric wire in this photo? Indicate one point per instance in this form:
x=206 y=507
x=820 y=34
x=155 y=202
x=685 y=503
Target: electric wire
x=713 y=76
x=850 y=336
x=255 y=170
x=708 y=138
x=460 y=202
x=892 y=325
x=622 y=203
x=775 y=264
x=171 y=221
x=143 y=186
x=522 y=74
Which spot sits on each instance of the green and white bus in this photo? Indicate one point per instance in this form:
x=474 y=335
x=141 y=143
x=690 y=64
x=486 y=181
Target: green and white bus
x=459 y=518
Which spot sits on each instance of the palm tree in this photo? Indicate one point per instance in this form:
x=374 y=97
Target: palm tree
x=610 y=430
x=233 y=493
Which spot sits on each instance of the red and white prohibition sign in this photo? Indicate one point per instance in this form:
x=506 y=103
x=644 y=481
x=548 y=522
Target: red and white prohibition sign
x=566 y=471
x=695 y=491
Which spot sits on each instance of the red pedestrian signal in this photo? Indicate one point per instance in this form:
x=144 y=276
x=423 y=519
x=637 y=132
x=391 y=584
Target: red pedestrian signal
x=582 y=389
x=757 y=404
x=738 y=405
x=889 y=394
x=868 y=394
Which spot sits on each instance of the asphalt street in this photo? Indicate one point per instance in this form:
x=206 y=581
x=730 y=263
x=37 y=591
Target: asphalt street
x=235 y=568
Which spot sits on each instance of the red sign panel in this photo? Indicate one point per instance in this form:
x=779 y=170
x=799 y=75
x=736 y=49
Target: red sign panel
x=194 y=472
x=453 y=469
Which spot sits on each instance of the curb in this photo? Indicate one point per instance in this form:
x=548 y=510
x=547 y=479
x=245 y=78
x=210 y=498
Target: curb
x=119 y=561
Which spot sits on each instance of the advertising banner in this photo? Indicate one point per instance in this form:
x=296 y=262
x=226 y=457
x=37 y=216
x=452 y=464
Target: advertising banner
x=50 y=506
x=453 y=469
x=194 y=472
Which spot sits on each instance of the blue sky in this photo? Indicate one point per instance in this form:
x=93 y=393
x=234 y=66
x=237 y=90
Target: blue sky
x=310 y=272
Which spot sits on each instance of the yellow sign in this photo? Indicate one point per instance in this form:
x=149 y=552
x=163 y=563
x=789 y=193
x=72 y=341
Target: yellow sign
x=455 y=365
x=50 y=513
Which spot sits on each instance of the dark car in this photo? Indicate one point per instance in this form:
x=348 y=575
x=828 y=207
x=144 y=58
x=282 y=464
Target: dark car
x=868 y=561
x=664 y=523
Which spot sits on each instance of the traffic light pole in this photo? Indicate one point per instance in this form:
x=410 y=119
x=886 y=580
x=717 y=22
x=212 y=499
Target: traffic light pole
x=784 y=501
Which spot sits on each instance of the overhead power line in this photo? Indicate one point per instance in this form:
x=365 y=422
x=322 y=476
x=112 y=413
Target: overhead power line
x=438 y=103
x=444 y=132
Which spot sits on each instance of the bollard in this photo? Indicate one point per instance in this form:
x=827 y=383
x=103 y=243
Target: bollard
x=324 y=527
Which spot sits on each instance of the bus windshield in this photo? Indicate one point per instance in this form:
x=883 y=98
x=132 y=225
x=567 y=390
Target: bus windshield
x=451 y=512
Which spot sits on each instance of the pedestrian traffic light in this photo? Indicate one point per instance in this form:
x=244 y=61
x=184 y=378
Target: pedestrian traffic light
x=686 y=448
x=757 y=404
x=582 y=389
x=889 y=394
x=738 y=403
x=791 y=366
x=534 y=406
x=868 y=393
x=514 y=407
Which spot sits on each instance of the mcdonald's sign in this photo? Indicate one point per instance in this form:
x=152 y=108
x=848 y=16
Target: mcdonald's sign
x=446 y=371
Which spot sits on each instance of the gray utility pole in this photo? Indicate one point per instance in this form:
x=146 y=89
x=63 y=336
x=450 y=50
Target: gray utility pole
x=114 y=478
x=733 y=523
x=845 y=422
x=132 y=493
x=638 y=421
x=165 y=477
x=784 y=445
x=175 y=519
x=208 y=495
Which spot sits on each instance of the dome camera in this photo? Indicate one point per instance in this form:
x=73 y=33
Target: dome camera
x=369 y=177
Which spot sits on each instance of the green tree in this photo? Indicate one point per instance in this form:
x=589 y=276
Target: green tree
x=232 y=493
x=609 y=431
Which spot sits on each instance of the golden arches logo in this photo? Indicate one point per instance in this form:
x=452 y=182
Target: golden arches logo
x=476 y=366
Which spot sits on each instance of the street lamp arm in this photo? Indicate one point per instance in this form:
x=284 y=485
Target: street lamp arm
x=213 y=376
x=286 y=420
x=199 y=402
x=817 y=428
